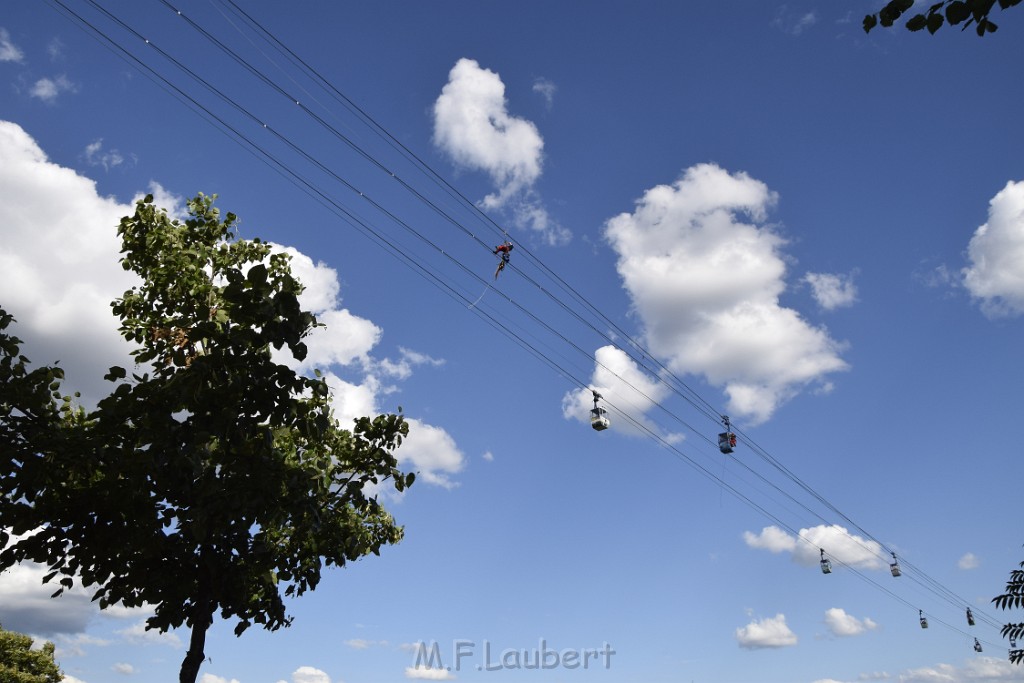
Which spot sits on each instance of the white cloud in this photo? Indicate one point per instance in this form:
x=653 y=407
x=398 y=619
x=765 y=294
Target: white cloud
x=546 y=89
x=138 y=634
x=975 y=670
x=793 y=23
x=9 y=52
x=124 y=668
x=60 y=264
x=832 y=291
x=26 y=605
x=995 y=275
x=49 y=89
x=842 y=624
x=766 y=633
x=706 y=285
x=210 y=678
x=428 y=674
x=309 y=674
x=488 y=456
x=772 y=539
x=473 y=127
x=624 y=386
x=71 y=679
x=361 y=644
x=95 y=155
x=431 y=452
x=968 y=561
x=74 y=645
x=839 y=545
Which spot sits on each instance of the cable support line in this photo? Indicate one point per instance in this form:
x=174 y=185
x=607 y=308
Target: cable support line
x=420 y=196
x=399 y=252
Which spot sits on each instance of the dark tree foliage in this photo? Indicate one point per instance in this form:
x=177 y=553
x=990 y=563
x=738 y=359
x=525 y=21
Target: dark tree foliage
x=19 y=663
x=1013 y=598
x=212 y=480
x=953 y=12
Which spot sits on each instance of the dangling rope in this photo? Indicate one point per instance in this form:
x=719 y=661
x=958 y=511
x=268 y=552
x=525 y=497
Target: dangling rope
x=481 y=295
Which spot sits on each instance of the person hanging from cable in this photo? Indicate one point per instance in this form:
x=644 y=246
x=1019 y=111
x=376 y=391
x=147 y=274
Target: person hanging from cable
x=504 y=249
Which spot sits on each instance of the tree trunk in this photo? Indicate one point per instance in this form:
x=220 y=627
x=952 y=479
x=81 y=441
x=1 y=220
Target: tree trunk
x=196 y=654
x=202 y=618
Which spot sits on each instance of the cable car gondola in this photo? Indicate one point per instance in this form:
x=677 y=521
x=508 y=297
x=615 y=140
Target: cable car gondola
x=977 y=645
x=895 y=566
x=826 y=566
x=727 y=439
x=922 y=619
x=599 y=416
x=970 y=617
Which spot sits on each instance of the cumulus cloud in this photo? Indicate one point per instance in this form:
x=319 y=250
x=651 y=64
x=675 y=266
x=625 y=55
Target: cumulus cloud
x=832 y=291
x=49 y=89
x=766 y=633
x=473 y=127
x=995 y=276
x=124 y=668
x=980 y=669
x=625 y=388
x=210 y=678
x=838 y=543
x=431 y=452
x=26 y=605
x=60 y=263
x=95 y=155
x=9 y=52
x=705 y=280
x=138 y=634
x=968 y=561
x=309 y=674
x=841 y=624
x=428 y=674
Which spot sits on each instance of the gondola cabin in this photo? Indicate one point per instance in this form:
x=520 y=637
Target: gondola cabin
x=726 y=442
x=598 y=415
x=922 y=619
x=826 y=565
x=977 y=645
x=970 y=617
x=895 y=566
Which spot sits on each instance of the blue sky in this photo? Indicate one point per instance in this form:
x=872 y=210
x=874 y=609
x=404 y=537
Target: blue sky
x=750 y=209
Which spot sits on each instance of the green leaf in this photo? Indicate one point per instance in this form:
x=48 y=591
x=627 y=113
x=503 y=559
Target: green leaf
x=115 y=373
x=919 y=21
x=957 y=11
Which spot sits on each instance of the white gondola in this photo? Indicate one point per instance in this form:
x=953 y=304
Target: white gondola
x=826 y=566
x=727 y=439
x=895 y=566
x=599 y=416
x=977 y=645
x=922 y=619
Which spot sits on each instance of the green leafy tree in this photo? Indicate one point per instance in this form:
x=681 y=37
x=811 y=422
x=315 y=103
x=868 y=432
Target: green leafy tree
x=19 y=663
x=953 y=12
x=218 y=480
x=1013 y=598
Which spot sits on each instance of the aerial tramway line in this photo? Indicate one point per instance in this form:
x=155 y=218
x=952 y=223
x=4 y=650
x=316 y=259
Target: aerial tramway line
x=727 y=440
